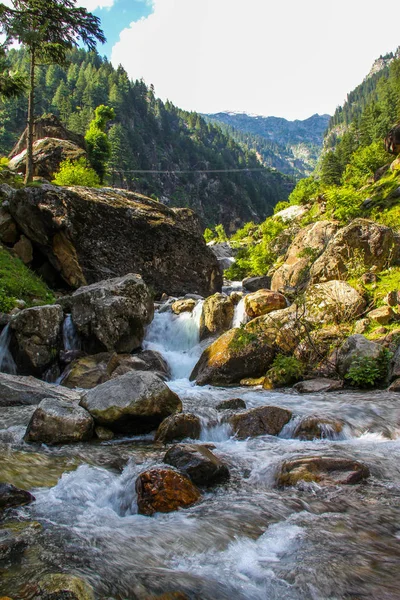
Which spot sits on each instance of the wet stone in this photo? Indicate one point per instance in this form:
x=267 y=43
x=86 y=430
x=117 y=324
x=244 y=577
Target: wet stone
x=13 y=496
x=60 y=586
x=179 y=427
x=197 y=462
x=324 y=470
x=164 y=490
x=265 y=420
x=233 y=404
x=315 y=427
x=313 y=386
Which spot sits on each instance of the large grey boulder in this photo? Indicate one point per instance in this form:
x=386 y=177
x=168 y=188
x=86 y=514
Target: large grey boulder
x=19 y=391
x=136 y=402
x=355 y=347
x=36 y=338
x=59 y=422
x=197 y=462
x=264 y=420
x=111 y=315
x=179 y=427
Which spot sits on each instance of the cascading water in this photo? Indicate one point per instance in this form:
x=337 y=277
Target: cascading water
x=239 y=316
x=71 y=339
x=7 y=363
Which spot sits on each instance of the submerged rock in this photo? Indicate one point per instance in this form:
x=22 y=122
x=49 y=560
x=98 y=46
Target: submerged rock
x=59 y=422
x=263 y=302
x=197 y=462
x=265 y=420
x=134 y=403
x=232 y=404
x=12 y=496
x=164 y=490
x=60 y=586
x=17 y=390
x=179 y=427
x=216 y=316
x=11 y=544
x=324 y=470
x=315 y=427
x=312 y=386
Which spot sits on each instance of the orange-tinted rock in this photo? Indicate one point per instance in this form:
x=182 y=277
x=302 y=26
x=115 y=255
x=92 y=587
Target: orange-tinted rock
x=324 y=470
x=263 y=302
x=164 y=490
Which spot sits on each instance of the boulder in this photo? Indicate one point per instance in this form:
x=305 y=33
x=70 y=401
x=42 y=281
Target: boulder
x=11 y=545
x=89 y=371
x=355 y=347
x=317 y=346
x=392 y=140
x=395 y=365
x=135 y=403
x=307 y=245
x=333 y=301
x=59 y=422
x=382 y=315
x=233 y=356
x=395 y=386
x=36 y=338
x=179 y=427
x=60 y=586
x=8 y=227
x=265 y=420
x=282 y=329
x=198 y=463
x=312 y=386
x=17 y=390
x=367 y=242
x=184 y=305
x=324 y=470
x=149 y=360
x=12 y=496
x=216 y=316
x=263 y=302
x=111 y=315
x=392 y=298
x=48 y=153
x=315 y=427
x=24 y=250
x=164 y=490
x=253 y=284
x=104 y=434
x=88 y=234
x=232 y=404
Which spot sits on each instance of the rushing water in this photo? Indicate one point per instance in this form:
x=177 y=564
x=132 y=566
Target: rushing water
x=245 y=540
x=71 y=339
x=7 y=364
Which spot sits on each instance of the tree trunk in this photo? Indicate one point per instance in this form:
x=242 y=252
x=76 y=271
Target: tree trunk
x=31 y=122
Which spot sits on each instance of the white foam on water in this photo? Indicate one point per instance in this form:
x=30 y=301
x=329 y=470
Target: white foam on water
x=7 y=363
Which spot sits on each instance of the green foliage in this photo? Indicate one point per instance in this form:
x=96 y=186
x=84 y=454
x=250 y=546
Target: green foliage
x=12 y=83
x=364 y=162
x=242 y=339
x=281 y=206
x=220 y=233
x=343 y=203
x=285 y=370
x=19 y=282
x=305 y=191
x=97 y=143
x=208 y=235
x=309 y=252
x=367 y=371
x=76 y=173
x=331 y=169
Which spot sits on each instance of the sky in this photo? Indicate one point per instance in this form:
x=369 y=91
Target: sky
x=288 y=59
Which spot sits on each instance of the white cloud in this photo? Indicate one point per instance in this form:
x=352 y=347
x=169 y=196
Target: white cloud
x=288 y=59
x=92 y=5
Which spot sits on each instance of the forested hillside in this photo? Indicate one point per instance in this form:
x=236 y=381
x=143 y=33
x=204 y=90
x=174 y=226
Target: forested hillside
x=150 y=135
x=292 y=147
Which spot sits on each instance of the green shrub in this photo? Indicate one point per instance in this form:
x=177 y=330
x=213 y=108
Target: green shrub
x=305 y=190
x=242 y=339
x=367 y=371
x=281 y=206
x=285 y=370
x=208 y=235
x=220 y=233
x=76 y=173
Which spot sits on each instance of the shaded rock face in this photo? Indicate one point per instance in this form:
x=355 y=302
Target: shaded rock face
x=179 y=427
x=253 y=284
x=333 y=301
x=322 y=470
x=135 y=403
x=232 y=357
x=265 y=420
x=308 y=244
x=392 y=140
x=355 y=347
x=8 y=228
x=318 y=385
x=13 y=496
x=48 y=154
x=164 y=490
x=233 y=404
x=395 y=365
x=19 y=391
x=59 y=422
x=198 y=463
x=361 y=241
x=263 y=302
x=37 y=333
x=112 y=315
x=216 y=316
x=149 y=360
x=89 y=234
x=314 y=427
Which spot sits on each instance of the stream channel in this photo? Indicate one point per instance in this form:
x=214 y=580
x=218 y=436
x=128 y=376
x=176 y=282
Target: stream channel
x=245 y=539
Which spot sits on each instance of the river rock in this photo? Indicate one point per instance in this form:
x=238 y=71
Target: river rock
x=12 y=496
x=355 y=347
x=18 y=391
x=89 y=371
x=315 y=427
x=233 y=356
x=88 y=234
x=382 y=315
x=216 y=316
x=198 y=463
x=184 y=305
x=11 y=545
x=264 y=420
x=373 y=241
x=324 y=470
x=164 y=490
x=59 y=422
x=111 y=315
x=312 y=386
x=253 y=284
x=60 y=586
x=135 y=403
x=232 y=404
x=179 y=427
x=36 y=338
x=263 y=302
x=104 y=434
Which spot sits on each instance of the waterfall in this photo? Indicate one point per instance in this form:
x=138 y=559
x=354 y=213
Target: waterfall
x=177 y=338
x=7 y=364
x=71 y=339
x=239 y=316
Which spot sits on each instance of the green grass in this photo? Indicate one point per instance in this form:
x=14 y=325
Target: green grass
x=19 y=282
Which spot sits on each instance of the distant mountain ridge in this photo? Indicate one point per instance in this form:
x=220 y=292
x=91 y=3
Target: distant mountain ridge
x=292 y=147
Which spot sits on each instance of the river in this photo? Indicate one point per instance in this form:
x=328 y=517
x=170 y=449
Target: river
x=246 y=539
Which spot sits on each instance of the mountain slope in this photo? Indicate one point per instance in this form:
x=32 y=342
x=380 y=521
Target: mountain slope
x=149 y=135
x=292 y=147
